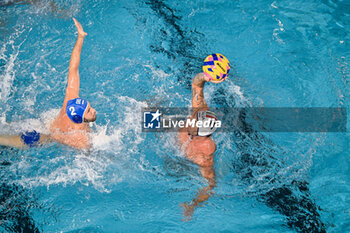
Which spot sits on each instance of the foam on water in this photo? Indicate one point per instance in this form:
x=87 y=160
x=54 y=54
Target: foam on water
x=8 y=54
x=83 y=169
x=232 y=91
x=41 y=124
x=157 y=73
x=109 y=161
x=126 y=128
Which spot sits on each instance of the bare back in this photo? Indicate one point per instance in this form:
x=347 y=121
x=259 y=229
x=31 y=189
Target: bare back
x=64 y=131
x=198 y=149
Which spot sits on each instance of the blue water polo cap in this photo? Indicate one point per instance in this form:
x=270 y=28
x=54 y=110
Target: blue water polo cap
x=75 y=109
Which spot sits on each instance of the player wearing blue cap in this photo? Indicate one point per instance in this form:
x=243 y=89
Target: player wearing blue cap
x=71 y=125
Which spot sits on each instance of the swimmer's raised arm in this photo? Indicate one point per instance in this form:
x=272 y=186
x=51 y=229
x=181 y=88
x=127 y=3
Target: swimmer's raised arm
x=72 y=90
x=197 y=90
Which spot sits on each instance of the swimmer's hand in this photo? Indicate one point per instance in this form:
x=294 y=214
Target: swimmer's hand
x=206 y=78
x=188 y=211
x=80 y=29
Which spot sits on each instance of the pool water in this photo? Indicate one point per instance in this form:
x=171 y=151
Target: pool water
x=145 y=53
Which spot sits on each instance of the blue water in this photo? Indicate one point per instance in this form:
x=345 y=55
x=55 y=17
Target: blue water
x=145 y=53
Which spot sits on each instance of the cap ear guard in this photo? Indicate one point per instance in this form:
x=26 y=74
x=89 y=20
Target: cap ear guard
x=206 y=116
x=77 y=119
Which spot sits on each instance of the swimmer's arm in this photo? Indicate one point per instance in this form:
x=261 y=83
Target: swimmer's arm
x=204 y=194
x=11 y=141
x=72 y=90
x=16 y=141
x=197 y=91
x=209 y=174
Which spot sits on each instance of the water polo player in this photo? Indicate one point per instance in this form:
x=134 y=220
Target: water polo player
x=197 y=143
x=71 y=125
